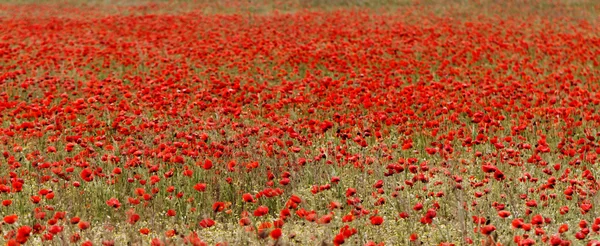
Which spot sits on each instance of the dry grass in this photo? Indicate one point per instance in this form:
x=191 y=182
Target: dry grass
x=554 y=9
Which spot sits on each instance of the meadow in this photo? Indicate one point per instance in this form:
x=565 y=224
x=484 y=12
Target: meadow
x=300 y=122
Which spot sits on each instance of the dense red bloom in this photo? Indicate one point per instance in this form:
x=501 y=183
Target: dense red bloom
x=278 y=108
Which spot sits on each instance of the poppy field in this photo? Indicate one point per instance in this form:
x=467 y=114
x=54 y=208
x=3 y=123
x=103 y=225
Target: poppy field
x=300 y=123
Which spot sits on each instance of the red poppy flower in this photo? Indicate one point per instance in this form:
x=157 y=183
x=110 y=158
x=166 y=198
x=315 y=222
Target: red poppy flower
x=261 y=210
x=275 y=234
x=537 y=220
x=201 y=187
x=339 y=239
x=74 y=220
x=83 y=225
x=376 y=220
x=247 y=197
x=296 y=199
x=488 y=229
x=503 y=213
x=10 y=219
x=206 y=223
x=156 y=242
x=350 y=192
x=87 y=175
x=6 y=203
x=563 y=228
x=245 y=221
x=113 y=202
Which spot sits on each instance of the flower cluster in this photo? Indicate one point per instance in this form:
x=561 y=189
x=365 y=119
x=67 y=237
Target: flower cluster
x=335 y=127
